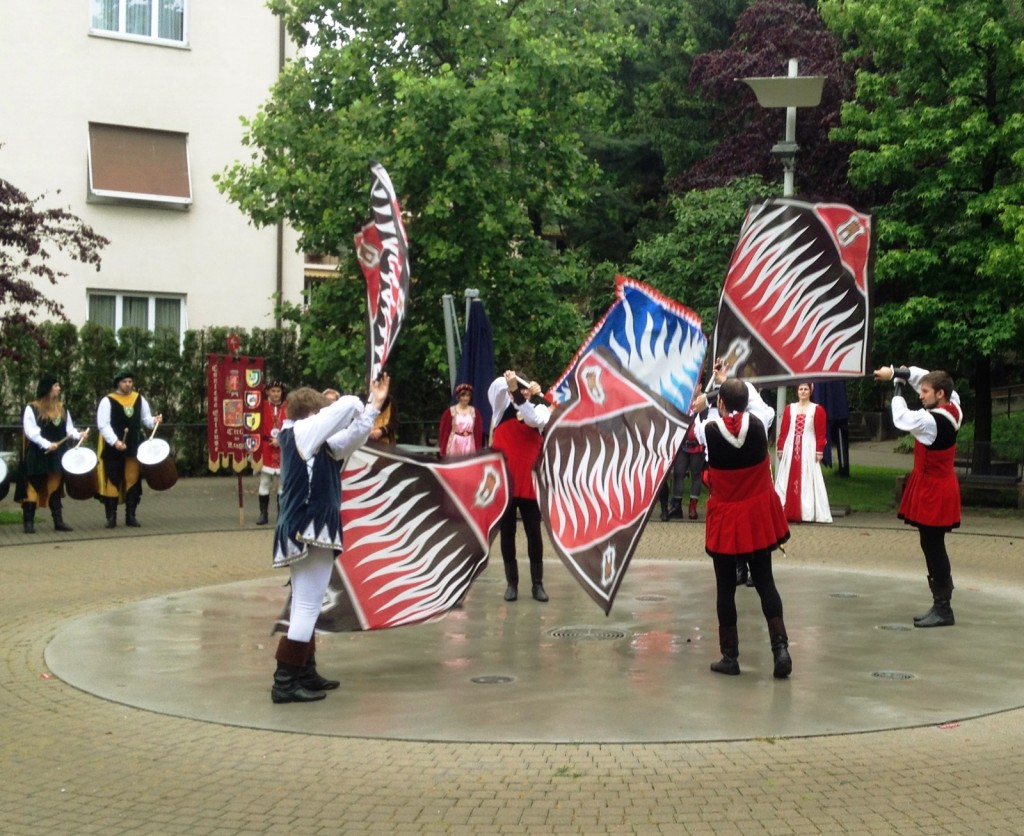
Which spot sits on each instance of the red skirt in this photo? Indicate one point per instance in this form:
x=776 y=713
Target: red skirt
x=744 y=514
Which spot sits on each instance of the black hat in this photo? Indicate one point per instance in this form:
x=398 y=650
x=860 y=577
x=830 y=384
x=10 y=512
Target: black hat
x=121 y=375
x=45 y=385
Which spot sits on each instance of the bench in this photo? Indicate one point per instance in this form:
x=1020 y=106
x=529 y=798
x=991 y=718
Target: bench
x=982 y=490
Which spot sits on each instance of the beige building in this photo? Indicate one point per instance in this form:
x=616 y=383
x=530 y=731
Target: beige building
x=121 y=111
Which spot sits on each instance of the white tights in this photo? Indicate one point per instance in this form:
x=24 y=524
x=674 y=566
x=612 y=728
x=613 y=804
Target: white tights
x=310 y=577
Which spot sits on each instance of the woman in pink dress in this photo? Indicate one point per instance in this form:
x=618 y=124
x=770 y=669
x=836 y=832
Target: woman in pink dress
x=461 y=431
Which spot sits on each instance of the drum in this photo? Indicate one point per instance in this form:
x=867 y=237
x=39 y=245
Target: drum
x=80 y=477
x=157 y=464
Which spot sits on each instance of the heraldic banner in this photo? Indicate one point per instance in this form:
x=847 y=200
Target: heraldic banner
x=234 y=395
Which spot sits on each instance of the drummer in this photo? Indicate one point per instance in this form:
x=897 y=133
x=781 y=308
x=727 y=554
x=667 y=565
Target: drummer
x=120 y=417
x=49 y=432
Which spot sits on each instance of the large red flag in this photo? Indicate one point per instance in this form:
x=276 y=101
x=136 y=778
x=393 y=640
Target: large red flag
x=797 y=296
x=417 y=533
x=606 y=453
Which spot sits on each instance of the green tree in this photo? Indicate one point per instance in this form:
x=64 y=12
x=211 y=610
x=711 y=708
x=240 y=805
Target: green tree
x=939 y=120
x=688 y=263
x=476 y=110
x=767 y=35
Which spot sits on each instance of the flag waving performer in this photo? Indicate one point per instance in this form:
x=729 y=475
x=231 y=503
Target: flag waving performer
x=382 y=248
x=316 y=436
x=744 y=520
x=931 y=496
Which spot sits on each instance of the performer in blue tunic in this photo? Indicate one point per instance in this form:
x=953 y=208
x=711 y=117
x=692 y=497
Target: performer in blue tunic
x=320 y=430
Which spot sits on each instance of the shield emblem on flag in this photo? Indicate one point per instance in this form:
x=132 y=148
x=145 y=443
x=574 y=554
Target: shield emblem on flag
x=252 y=443
x=252 y=421
x=253 y=377
x=252 y=400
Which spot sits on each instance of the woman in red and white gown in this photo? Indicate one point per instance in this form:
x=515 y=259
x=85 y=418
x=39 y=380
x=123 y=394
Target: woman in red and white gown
x=799 y=481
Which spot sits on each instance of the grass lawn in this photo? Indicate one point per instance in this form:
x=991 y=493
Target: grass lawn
x=866 y=488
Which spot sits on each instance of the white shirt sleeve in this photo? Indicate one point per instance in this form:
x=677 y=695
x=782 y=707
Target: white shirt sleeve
x=337 y=424
x=72 y=429
x=103 y=422
x=147 y=413
x=920 y=423
x=31 y=428
x=757 y=407
x=533 y=415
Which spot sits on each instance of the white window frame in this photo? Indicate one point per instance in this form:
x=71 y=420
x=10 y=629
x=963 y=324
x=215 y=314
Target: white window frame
x=122 y=33
x=151 y=298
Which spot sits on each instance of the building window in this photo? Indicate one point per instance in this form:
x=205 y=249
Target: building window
x=135 y=310
x=156 y=20
x=138 y=164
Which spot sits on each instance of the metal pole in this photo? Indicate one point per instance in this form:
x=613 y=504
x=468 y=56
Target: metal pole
x=471 y=293
x=451 y=327
x=788 y=190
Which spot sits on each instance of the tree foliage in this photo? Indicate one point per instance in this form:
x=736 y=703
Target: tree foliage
x=767 y=35
x=688 y=263
x=28 y=236
x=476 y=109
x=938 y=118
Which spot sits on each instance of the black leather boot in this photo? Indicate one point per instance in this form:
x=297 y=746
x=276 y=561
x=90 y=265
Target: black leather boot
x=264 y=516
x=310 y=679
x=941 y=613
x=729 y=641
x=110 y=506
x=131 y=504
x=780 y=648
x=291 y=664
x=28 y=517
x=57 y=512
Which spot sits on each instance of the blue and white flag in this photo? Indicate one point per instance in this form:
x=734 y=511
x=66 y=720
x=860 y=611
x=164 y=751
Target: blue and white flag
x=656 y=339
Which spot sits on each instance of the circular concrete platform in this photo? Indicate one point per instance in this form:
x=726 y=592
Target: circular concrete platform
x=563 y=672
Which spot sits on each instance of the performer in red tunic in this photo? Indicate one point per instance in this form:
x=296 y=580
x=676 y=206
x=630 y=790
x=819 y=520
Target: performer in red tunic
x=744 y=520
x=931 y=496
x=516 y=433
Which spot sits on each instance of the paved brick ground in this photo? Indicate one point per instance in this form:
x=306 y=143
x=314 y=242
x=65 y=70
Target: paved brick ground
x=72 y=763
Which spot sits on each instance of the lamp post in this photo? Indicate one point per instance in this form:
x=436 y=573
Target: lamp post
x=788 y=91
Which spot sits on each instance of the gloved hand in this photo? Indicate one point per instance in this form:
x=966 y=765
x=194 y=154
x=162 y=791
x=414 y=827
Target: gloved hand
x=900 y=377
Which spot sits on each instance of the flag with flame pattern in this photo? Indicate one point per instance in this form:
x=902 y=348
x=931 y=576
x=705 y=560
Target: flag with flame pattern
x=606 y=453
x=417 y=533
x=796 y=303
x=382 y=249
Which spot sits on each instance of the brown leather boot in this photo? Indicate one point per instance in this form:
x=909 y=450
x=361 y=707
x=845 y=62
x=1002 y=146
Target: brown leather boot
x=729 y=641
x=291 y=662
x=310 y=679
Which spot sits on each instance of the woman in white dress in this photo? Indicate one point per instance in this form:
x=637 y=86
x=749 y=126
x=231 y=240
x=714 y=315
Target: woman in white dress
x=799 y=481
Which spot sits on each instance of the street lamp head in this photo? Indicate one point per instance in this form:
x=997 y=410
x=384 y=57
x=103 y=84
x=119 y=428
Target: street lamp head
x=787 y=91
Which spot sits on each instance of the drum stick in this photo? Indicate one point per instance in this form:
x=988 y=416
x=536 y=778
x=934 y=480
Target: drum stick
x=58 y=443
x=154 y=432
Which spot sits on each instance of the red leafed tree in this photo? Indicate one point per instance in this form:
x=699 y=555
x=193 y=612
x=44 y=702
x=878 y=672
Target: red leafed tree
x=27 y=236
x=767 y=35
